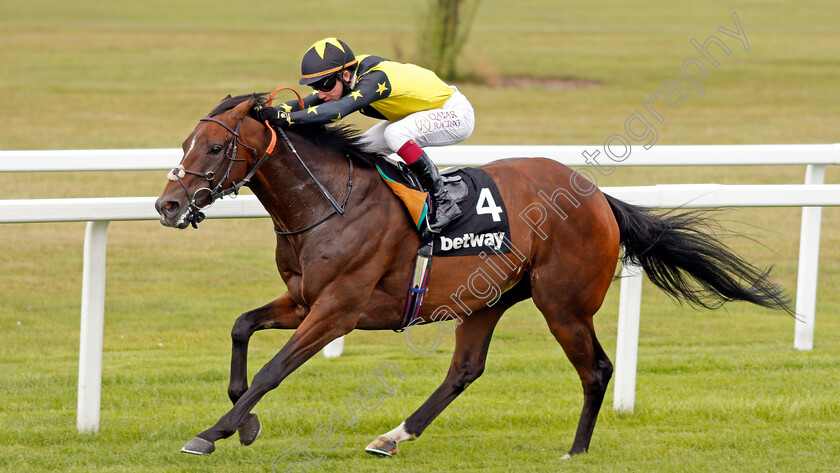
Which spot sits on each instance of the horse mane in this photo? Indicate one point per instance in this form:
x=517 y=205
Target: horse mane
x=345 y=140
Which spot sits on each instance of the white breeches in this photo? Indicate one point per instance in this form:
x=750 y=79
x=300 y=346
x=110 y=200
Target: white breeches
x=451 y=124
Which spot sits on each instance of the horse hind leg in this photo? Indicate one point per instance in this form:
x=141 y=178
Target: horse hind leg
x=574 y=330
x=595 y=375
x=472 y=339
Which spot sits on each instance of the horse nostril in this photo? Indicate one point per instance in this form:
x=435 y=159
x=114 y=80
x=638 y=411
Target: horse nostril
x=170 y=207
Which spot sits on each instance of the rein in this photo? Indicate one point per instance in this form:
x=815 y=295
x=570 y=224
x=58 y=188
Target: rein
x=194 y=213
x=337 y=209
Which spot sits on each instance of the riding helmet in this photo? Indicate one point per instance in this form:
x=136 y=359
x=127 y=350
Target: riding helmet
x=323 y=58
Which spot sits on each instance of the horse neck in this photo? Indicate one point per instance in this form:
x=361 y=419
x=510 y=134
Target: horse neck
x=289 y=194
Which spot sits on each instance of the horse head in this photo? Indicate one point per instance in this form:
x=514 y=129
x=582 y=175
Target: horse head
x=217 y=162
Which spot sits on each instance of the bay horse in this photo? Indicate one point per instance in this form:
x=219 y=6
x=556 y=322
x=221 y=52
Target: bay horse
x=347 y=266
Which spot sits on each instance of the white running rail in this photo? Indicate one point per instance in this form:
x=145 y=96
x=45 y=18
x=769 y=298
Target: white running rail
x=99 y=212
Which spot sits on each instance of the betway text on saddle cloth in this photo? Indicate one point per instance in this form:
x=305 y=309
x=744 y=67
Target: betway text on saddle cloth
x=471 y=240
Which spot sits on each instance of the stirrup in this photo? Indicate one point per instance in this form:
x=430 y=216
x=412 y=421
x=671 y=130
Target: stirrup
x=429 y=225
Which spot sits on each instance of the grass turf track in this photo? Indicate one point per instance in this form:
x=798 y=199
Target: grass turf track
x=720 y=390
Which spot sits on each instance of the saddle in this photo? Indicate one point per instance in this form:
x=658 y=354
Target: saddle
x=406 y=186
x=483 y=226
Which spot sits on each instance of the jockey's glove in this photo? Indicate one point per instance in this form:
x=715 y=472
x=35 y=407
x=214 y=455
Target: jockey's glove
x=275 y=117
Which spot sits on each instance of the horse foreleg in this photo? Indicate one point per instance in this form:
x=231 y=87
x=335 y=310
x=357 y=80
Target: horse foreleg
x=472 y=339
x=280 y=313
x=318 y=329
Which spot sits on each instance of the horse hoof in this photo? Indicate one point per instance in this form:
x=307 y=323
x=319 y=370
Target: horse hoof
x=571 y=455
x=250 y=431
x=199 y=446
x=383 y=447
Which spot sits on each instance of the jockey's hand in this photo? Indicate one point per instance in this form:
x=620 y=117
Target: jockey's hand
x=274 y=116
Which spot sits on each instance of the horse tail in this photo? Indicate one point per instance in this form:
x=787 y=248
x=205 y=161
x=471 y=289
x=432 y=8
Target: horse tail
x=690 y=264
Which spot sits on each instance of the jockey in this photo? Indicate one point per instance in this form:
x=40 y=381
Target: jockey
x=417 y=108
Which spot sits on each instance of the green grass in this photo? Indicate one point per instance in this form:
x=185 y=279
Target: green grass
x=716 y=391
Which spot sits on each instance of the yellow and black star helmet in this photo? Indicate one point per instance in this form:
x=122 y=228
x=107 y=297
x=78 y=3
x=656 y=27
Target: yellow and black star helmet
x=323 y=58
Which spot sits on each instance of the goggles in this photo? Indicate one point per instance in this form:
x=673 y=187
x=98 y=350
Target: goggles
x=326 y=84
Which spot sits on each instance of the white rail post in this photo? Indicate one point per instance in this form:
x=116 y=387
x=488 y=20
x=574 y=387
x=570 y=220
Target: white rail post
x=627 y=341
x=809 y=260
x=92 y=327
x=335 y=348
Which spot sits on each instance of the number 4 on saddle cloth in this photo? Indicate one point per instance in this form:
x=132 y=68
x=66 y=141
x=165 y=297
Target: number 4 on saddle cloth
x=482 y=228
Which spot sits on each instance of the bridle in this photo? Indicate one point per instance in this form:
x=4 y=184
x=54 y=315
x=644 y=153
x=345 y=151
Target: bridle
x=194 y=213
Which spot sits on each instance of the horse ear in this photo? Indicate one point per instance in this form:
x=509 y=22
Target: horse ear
x=240 y=111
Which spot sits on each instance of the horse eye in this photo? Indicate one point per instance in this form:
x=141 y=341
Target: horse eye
x=215 y=149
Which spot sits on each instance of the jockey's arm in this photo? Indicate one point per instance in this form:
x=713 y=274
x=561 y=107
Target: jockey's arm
x=308 y=101
x=363 y=94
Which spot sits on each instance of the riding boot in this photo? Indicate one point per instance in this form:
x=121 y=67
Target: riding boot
x=446 y=210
